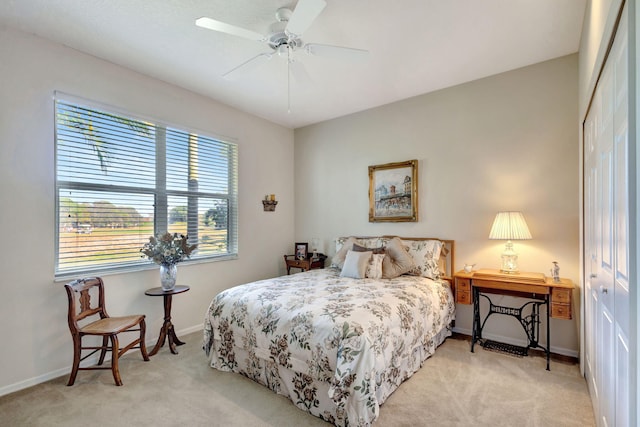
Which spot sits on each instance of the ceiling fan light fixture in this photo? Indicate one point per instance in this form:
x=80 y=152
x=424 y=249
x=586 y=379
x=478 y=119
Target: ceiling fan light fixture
x=283 y=50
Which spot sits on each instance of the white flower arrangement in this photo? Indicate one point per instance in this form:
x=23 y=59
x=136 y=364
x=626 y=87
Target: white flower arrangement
x=167 y=249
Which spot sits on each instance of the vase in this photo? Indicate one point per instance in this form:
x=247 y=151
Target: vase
x=168 y=273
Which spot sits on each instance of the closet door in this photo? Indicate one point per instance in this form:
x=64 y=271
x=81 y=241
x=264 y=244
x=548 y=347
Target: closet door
x=591 y=237
x=621 y=298
x=606 y=239
x=604 y=275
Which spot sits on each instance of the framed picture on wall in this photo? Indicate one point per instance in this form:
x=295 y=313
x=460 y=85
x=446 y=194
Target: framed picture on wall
x=393 y=192
x=302 y=249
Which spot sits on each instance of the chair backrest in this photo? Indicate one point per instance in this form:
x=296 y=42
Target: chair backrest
x=78 y=292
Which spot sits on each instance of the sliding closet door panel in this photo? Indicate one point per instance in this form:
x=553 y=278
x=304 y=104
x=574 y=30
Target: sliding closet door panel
x=605 y=273
x=619 y=54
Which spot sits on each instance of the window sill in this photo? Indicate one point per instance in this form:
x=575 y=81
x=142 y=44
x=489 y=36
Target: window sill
x=64 y=277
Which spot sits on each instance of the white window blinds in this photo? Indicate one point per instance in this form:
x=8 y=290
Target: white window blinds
x=120 y=180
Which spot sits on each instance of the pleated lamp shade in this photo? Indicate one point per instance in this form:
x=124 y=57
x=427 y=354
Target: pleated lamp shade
x=509 y=226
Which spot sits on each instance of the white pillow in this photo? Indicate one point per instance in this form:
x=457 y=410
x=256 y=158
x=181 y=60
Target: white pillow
x=338 y=259
x=374 y=269
x=355 y=264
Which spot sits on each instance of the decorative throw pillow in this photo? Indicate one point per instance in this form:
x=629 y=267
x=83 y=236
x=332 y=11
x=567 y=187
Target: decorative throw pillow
x=397 y=260
x=355 y=264
x=338 y=259
x=374 y=269
x=425 y=254
x=358 y=248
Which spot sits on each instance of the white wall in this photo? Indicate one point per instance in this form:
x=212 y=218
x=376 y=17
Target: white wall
x=506 y=142
x=35 y=336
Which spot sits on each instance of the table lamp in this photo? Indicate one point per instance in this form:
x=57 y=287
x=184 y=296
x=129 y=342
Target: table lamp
x=509 y=226
x=315 y=247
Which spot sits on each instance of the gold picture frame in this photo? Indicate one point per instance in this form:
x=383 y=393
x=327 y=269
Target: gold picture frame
x=393 y=192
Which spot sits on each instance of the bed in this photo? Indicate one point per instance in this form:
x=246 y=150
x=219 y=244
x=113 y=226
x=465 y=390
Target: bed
x=338 y=341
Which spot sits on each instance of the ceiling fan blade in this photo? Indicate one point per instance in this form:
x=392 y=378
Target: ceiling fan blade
x=299 y=73
x=223 y=27
x=337 y=52
x=303 y=16
x=248 y=64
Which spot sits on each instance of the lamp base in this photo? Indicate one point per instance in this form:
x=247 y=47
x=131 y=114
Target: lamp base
x=509 y=260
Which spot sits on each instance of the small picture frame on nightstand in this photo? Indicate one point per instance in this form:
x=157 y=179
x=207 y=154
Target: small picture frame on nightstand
x=302 y=249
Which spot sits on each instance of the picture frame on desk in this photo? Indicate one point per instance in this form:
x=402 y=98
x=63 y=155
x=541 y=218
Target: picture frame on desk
x=302 y=250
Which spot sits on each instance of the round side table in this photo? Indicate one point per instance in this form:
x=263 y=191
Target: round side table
x=167 y=331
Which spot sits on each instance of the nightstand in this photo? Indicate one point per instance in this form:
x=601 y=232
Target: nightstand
x=556 y=297
x=304 y=264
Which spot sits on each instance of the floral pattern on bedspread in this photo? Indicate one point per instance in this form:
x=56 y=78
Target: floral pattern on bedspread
x=362 y=337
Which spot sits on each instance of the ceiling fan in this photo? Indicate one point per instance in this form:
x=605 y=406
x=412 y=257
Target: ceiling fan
x=285 y=39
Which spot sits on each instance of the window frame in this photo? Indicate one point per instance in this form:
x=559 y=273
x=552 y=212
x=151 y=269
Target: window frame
x=160 y=195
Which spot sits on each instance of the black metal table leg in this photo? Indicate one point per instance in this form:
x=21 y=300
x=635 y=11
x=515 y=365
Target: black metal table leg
x=548 y=332
x=476 y=330
x=530 y=323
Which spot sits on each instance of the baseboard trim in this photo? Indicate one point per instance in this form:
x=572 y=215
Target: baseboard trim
x=21 y=385
x=190 y=330
x=12 y=388
x=557 y=353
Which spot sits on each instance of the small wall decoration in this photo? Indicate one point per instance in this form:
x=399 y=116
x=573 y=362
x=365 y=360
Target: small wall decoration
x=393 y=192
x=269 y=203
x=302 y=249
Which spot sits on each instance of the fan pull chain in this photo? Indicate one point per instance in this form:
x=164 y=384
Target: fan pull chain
x=288 y=80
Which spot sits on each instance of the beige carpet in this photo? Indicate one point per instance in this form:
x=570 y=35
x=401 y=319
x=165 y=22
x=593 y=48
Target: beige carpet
x=454 y=388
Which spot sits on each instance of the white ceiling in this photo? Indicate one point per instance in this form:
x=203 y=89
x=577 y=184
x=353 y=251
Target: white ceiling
x=416 y=46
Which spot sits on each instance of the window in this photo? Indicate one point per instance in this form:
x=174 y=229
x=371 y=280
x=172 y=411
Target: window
x=120 y=179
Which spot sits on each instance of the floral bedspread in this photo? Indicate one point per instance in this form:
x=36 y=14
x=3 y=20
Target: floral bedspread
x=337 y=347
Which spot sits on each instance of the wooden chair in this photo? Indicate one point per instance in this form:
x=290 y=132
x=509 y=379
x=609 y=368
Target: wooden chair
x=106 y=327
